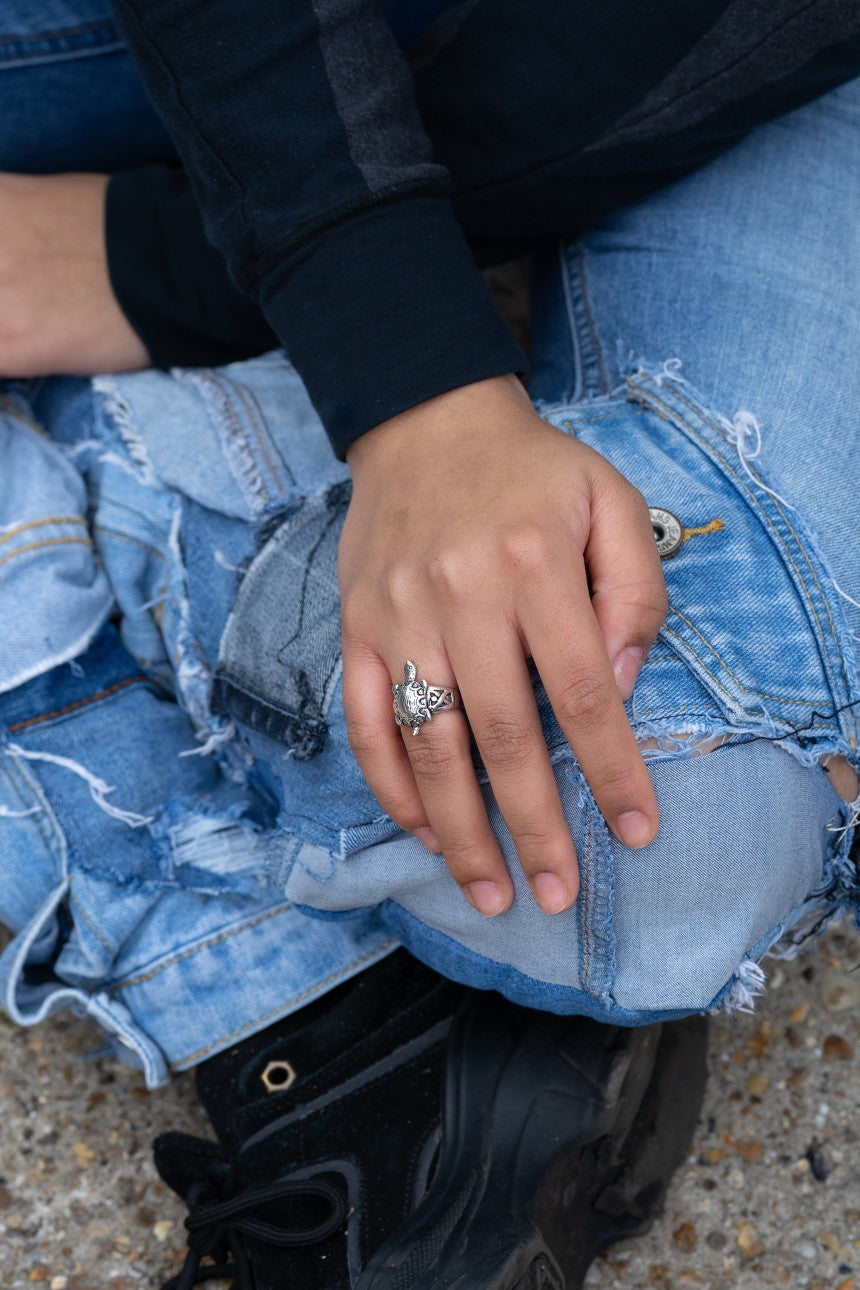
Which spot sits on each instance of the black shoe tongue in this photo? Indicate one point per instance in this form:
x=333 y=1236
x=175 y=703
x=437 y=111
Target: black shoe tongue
x=269 y=1072
x=183 y=1161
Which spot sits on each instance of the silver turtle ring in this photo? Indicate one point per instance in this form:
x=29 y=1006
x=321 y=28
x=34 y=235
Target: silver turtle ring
x=415 y=702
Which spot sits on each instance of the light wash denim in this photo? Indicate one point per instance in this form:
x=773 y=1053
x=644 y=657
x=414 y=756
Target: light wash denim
x=188 y=849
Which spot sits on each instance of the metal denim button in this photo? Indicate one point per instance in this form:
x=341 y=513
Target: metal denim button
x=668 y=531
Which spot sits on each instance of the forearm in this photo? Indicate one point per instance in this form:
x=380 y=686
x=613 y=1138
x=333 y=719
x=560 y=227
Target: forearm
x=308 y=159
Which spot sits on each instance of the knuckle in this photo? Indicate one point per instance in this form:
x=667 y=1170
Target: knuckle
x=526 y=547
x=505 y=742
x=535 y=838
x=365 y=739
x=618 y=783
x=583 y=701
x=432 y=760
x=404 y=811
x=466 y=857
x=451 y=571
x=400 y=585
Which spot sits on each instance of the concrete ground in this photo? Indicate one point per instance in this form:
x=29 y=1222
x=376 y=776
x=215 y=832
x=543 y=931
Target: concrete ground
x=770 y=1195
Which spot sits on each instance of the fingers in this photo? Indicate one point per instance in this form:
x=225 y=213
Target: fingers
x=569 y=652
x=375 y=740
x=426 y=779
x=498 y=696
x=628 y=590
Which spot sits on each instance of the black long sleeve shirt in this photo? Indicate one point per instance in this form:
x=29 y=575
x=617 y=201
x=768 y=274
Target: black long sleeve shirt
x=338 y=194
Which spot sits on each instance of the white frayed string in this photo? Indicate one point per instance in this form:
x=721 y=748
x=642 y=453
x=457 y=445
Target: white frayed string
x=748 y=984
x=6 y=814
x=670 y=371
x=75 y=450
x=75 y=668
x=844 y=595
x=149 y=604
x=839 y=830
x=745 y=433
x=223 y=563
x=98 y=787
x=213 y=743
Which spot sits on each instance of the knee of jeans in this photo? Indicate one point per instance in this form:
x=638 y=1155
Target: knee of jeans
x=743 y=847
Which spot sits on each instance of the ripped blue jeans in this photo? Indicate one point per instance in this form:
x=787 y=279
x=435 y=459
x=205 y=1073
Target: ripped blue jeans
x=188 y=850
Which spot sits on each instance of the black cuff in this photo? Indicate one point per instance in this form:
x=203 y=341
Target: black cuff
x=383 y=311
x=170 y=282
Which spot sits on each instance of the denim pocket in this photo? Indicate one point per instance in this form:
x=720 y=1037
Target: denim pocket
x=752 y=641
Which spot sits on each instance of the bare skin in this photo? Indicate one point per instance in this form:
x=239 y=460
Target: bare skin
x=58 y=312
x=478 y=537
x=514 y=542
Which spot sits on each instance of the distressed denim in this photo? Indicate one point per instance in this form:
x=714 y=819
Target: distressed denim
x=188 y=849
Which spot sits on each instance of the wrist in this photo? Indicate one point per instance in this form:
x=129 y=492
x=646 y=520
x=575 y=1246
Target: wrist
x=446 y=418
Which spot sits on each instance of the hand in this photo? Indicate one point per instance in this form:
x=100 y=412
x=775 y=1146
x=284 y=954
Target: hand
x=479 y=536
x=58 y=314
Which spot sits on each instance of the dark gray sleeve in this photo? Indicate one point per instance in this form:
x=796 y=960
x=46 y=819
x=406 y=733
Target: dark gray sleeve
x=297 y=127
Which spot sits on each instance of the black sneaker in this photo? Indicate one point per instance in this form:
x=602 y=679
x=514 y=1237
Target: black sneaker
x=406 y=1134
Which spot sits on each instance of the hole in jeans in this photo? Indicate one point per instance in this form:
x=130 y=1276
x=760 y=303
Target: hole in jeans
x=839 y=771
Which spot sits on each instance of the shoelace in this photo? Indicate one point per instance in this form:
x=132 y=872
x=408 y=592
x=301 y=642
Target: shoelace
x=214 y=1230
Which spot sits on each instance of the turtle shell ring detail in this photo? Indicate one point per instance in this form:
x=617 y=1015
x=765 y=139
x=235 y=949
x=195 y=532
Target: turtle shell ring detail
x=415 y=701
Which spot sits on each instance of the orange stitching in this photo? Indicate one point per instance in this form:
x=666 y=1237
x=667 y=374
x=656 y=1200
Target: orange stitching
x=713 y=526
x=133 y=541
x=79 y=703
x=777 y=698
x=95 y=931
x=800 y=545
x=299 y=998
x=35 y=546
x=204 y=945
x=35 y=524
x=759 y=506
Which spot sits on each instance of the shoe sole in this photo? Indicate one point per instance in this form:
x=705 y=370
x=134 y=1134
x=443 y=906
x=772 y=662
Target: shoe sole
x=560 y=1136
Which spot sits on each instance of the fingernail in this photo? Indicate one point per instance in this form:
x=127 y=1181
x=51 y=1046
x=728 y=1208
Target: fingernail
x=551 y=893
x=626 y=668
x=486 y=897
x=634 y=829
x=428 y=839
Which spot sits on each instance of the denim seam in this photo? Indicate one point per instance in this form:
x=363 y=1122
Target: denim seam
x=257 y=420
x=806 y=703
x=46 y=821
x=37 y=546
x=576 y=393
x=78 y=704
x=143 y=978
x=258 y=1022
x=586 y=907
x=802 y=590
x=62 y=33
x=589 y=318
x=235 y=420
x=133 y=541
x=590 y=376
x=35 y=524
x=76 y=904
x=759 y=508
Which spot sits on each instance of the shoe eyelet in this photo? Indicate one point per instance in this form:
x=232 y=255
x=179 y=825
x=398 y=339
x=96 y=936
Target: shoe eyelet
x=278 y=1077
x=668 y=531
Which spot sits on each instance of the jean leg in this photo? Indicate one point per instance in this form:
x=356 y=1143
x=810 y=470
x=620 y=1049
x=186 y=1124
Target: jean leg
x=748 y=272
x=70 y=95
